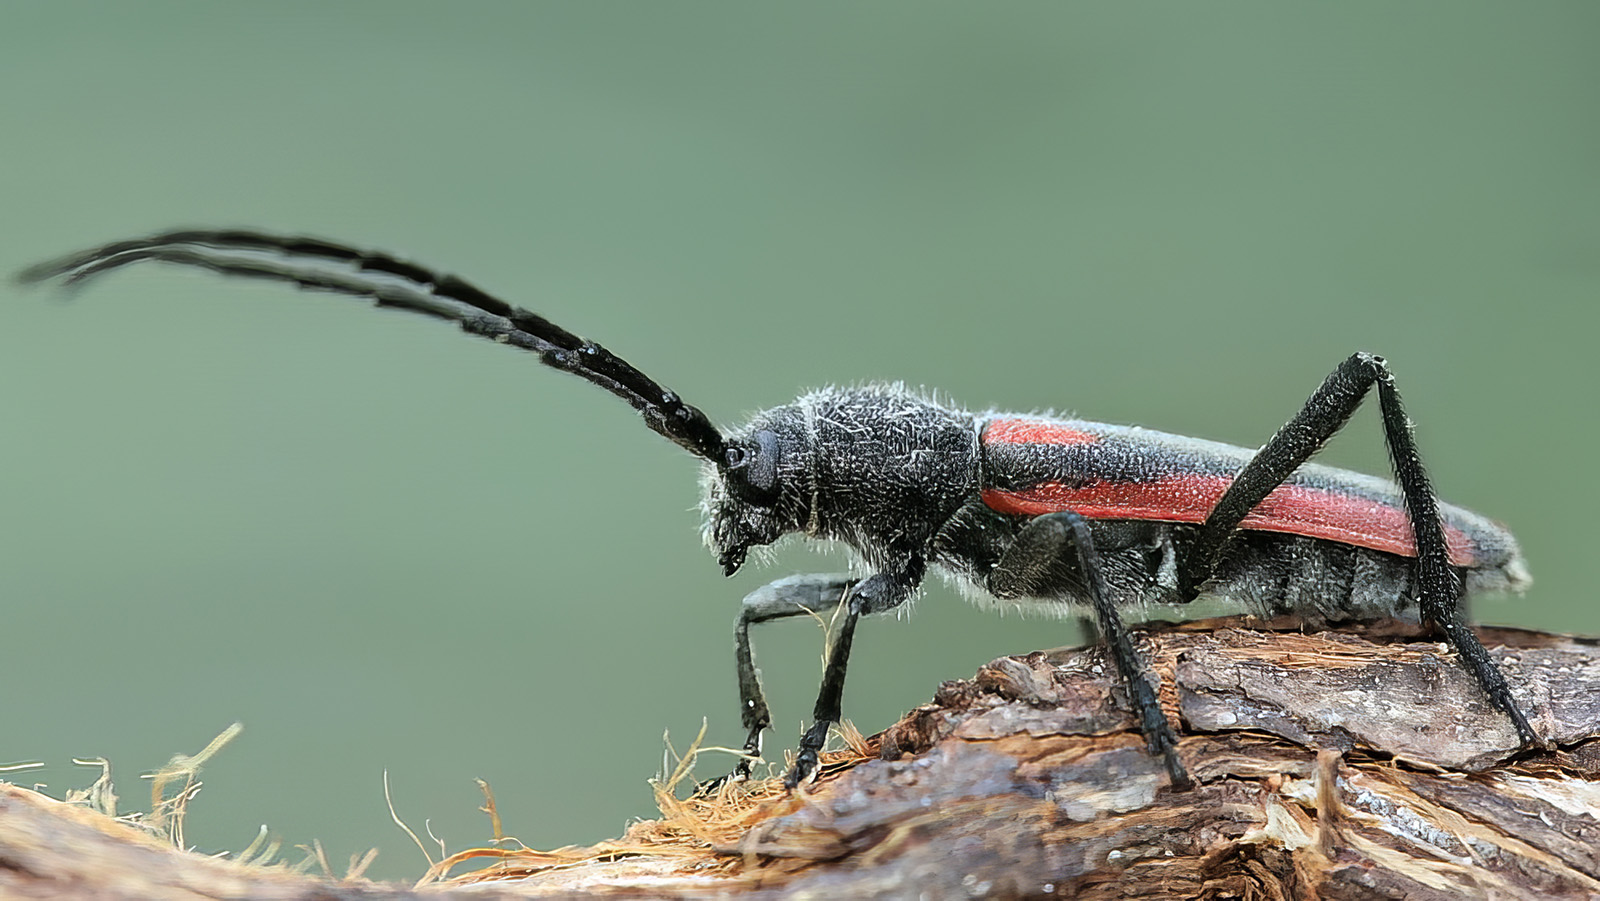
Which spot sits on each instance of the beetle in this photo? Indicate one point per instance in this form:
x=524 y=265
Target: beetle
x=1057 y=516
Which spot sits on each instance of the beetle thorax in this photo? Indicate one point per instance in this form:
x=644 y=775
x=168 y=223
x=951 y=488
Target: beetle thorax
x=877 y=468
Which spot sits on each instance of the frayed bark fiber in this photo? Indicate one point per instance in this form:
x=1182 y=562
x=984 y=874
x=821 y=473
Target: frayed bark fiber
x=1330 y=765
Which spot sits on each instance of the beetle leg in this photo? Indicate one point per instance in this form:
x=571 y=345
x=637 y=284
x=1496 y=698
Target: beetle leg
x=1049 y=538
x=812 y=593
x=1439 y=586
x=875 y=594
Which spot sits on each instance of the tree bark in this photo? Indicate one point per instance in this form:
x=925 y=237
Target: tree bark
x=1331 y=766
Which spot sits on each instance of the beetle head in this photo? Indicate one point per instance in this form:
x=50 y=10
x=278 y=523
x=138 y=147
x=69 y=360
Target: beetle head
x=756 y=492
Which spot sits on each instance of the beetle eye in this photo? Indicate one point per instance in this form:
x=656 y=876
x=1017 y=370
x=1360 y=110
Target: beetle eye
x=751 y=468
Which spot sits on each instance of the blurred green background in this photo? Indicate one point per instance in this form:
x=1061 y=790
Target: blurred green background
x=382 y=545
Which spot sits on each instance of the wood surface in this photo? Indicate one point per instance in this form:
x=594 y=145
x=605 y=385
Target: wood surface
x=1329 y=765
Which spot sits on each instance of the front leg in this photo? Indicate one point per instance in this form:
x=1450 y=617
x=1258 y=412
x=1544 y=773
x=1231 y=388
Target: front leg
x=875 y=594
x=815 y=594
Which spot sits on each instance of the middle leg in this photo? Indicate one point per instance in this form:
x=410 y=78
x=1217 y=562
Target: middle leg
x=1026 y=570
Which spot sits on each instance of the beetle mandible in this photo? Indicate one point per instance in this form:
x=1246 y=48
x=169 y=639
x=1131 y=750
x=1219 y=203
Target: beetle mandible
x=1046 y=514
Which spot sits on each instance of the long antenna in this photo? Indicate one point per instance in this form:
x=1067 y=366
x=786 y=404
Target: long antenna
x=391 y=282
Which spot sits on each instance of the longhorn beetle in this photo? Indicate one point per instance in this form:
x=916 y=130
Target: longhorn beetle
x=1042 y=514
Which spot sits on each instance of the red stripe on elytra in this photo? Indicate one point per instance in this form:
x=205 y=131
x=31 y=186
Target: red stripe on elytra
x=1032 y=431
x=1292 y=509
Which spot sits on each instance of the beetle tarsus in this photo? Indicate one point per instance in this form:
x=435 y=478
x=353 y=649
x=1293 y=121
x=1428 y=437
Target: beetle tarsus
x=739 y=773
x=808 y=755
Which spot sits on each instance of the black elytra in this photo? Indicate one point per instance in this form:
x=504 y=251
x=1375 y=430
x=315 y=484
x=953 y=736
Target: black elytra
x=1058 y=516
